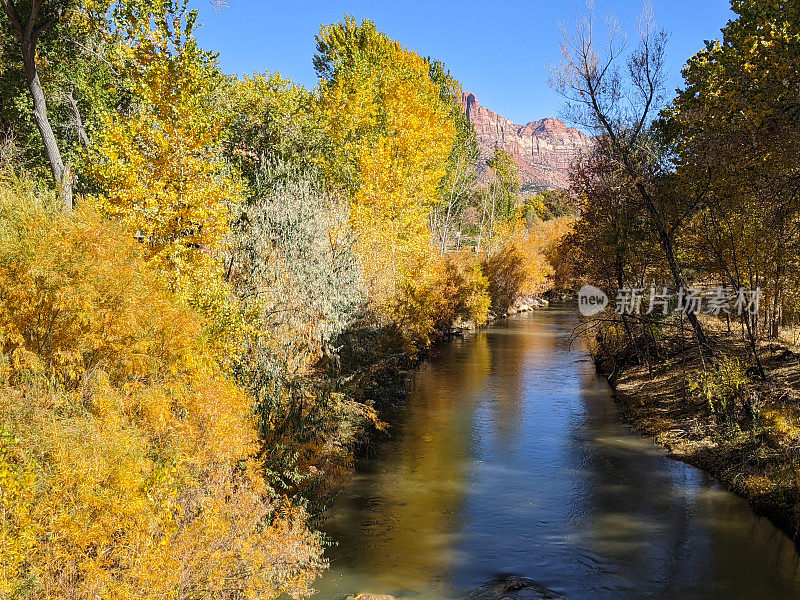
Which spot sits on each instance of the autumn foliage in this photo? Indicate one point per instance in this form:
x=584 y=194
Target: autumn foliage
x=130 y=470
x=191 y=355
x=157 y=157
x=393 y=137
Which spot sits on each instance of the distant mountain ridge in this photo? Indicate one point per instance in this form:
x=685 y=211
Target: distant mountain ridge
x=543 y=149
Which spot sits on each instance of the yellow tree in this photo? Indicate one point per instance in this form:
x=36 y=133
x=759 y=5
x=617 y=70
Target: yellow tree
x=735 y=127
x=392 y=135
x=157 y=159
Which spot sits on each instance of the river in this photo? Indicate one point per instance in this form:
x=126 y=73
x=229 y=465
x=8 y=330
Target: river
x=509 y=458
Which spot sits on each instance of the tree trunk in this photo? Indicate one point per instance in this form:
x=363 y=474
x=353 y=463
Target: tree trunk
x=27 y=35
x=61 y=173
x=677 y=275
x=747 y=318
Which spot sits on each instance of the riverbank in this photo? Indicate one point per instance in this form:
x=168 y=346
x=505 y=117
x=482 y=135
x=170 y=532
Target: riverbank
x=754 y=450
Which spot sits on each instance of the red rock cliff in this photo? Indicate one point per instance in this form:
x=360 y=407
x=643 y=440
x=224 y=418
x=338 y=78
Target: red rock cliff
x=543 y=149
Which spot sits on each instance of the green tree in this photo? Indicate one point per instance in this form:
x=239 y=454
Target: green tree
x=28 y=22
x=272 y=121
x=500 y=199
x=58 y=78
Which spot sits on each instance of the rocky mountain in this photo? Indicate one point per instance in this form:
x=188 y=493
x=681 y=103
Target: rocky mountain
x=543 y=149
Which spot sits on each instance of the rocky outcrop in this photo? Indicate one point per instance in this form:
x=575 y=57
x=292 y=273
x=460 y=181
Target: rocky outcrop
x=520 y=305
x=542 y=149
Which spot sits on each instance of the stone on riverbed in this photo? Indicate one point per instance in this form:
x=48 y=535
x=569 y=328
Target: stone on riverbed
x=509 y=587
x=512 y=587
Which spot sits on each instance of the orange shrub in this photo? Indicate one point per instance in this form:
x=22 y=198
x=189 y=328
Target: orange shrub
x=464 y=291
x=131 y=449
x=507 y=270
x=444 y=291
x=519 y=259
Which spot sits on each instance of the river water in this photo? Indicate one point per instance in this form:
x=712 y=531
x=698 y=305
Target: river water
x=509 y=458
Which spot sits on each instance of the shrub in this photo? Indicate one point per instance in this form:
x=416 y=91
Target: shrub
x=507 y=270
x=519 y=258
x=461 y=291
x=723 y=387
x=17 y=534
x=446 y=290
x=291 y=265
x=296 y=279
x=130 y=448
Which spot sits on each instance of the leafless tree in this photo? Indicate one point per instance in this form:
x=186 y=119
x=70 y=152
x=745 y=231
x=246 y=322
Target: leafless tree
x=616 y=94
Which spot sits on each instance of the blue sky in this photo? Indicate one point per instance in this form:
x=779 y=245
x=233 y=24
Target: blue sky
x=500 y=50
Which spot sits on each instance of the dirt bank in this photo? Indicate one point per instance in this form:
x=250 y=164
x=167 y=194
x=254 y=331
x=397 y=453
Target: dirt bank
x=756 y=453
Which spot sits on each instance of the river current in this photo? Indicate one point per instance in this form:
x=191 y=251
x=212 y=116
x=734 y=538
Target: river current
x=509 y=458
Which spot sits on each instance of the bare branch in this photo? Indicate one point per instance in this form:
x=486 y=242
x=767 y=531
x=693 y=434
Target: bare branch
x=13 y=15
x=70 y=97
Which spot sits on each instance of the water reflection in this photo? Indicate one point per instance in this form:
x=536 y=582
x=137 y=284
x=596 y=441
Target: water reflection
x=509 y=459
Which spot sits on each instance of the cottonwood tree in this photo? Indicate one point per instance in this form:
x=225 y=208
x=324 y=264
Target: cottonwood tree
x=392 y=136
x=735 y=123
x=29 y=20
x=616 y=94
x=500 y=197
x=158 y=160
x=458 y=183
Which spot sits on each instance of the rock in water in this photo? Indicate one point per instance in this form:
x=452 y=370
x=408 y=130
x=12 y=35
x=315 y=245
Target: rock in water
x=513 y=588
x=371 y=597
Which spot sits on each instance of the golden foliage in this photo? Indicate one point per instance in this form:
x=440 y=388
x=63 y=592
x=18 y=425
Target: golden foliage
x=445 y=291
x=507 y=270
x=393 y=136
x=519 y=259
x=158 y=160
x=130 y=467
x=464 y=294
x=17 y=534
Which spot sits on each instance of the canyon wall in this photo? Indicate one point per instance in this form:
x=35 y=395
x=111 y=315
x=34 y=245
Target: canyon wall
x=542 y=149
